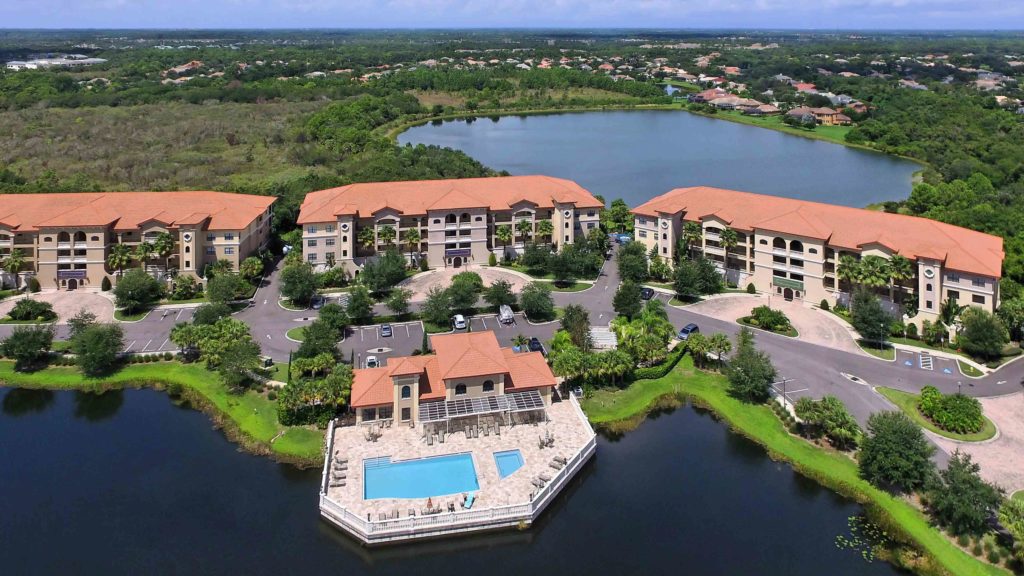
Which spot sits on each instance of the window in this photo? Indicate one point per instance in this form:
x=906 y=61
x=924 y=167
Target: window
x=779 y=243
x=977 y=299
x=479 y=218
x=590 y=225
x=953 y=295
x=566 y=237
x=812 y=250
x=209 y=237
x=779 y=259
x=210 y=250
x=952 y=277
x=311 y=229
x=664 y=236
x=344 y=238
x=311 y=242
x=764 y=242
x=797 y=277
x=797 y=263
x=928 y=304
x=188 y=264
x=978 y=282
x=406 y=391
x=229 y=236
x=460 y=389
x=48 y=239
x=329 y=242
x=229 y=249
x=369 y=413
x=437 y=220
x=488 y=386
x=465 y=245
x=406 y=414
x=311 y=257
x=642 y=233
x=449 y=233
x=928 y=287
x=664 y=249
x=796 y=246
x=566 y=225
x=329 y=228
x=344 y=253
x=778 y=273
x=95 y=239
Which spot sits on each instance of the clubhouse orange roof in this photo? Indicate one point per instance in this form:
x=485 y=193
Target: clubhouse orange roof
x=417 y=197
x=128 y=210
x=840 y=226
x=457 y=356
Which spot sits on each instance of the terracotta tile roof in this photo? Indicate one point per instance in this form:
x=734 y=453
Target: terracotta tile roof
x=127 y=210
x=527 y=370
x=840 y=226
x=371 y=387
x=416 y=197
x=468 y=354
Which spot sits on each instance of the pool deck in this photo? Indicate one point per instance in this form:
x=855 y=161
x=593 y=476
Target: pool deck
x=500 y=502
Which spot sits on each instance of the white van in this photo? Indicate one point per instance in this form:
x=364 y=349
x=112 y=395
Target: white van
x=505 y=315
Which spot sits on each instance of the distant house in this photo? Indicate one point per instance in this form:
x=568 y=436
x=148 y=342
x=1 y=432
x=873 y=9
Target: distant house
x=708 y=95
x=733 y=102
x=731 y=71
x=805 y=88
x=186 y=67
x=913 y=85
x=823 y=116
x=762 y=110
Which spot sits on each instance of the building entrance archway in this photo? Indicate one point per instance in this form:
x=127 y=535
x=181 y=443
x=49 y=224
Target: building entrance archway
x=72 y=284
x=788 y=294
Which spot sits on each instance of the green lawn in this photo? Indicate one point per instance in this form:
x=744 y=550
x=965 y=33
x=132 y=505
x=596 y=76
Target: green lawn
x=286 y=303
x=831 y=469
x=7 y=293
x=9 y=320
x=1018 y=495
x=250 y=418
x=279 y=372
x=123 y=317
x=201 y=299
x=908 y=403
x=297 y=333
x=968 y=369
x=835 y=134
x=574 y=287
x=886 y=352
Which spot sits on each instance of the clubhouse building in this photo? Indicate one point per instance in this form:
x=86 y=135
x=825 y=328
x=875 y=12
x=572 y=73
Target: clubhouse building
x=66 y=238
x=449 y=222
x=791 y=248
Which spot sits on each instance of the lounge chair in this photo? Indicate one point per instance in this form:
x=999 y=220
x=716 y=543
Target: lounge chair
x=497 y=429
x=467 y=432
x=469 y=501
x=561 y=460
x=337 y=484
x=544 y=478
x=430 y=440
x=555 y=465
x=537 y=483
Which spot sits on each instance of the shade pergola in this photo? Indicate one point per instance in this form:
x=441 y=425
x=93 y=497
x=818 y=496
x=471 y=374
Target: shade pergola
x=447 y=410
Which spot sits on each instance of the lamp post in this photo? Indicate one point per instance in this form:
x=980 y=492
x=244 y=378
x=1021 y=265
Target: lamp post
x=959 y=385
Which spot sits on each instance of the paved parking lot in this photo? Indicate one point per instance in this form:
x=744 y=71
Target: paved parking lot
x=152 y=333
x=924 y=361
x=67 y=304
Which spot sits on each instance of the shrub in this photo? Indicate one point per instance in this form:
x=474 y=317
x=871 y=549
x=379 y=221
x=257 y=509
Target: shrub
x=993 y=557
x=28 y=346
x=824 y=305
x=423 y=264
x=751 y=289
x=769 y=319
x=29 y=309
x=105 y=284
x=930 y=399
x=963 y=540
x=168 y=356
x=951 y=412
x=271 y=395
x=912 y=331
x=492 y=260
x=976 y=550
x=33 y=284
x=664 y=367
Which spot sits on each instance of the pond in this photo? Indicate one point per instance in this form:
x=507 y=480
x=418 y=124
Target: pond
x=639 y=154
x=128 y=483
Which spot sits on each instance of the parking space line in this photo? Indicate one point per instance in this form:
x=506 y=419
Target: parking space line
x=484 y=322
x=178 y=316
x=129 y=347
x=164 y=344
x=408 y=334
x=146 y=347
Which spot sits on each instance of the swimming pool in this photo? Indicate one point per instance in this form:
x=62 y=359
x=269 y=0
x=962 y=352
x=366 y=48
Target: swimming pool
x=419 y=478
x=508 y=462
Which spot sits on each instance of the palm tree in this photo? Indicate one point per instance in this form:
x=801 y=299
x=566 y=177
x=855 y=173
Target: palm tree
x=119 y=257
x=143 y=252
x=901 y=269
x=949 y=311
x=367 y=238
x=13 y=264
x=524 y=228
x=545 y=229
x=504 y=235
x=729 y=240
x=692 y=234
x=849 y=269
x=387 y=235
x=874 y=272
x=721 y=345
x=412 y=240
x=698 y=345
x=163 y=246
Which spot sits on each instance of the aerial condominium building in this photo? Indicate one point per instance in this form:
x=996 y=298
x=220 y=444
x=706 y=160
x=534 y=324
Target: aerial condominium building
x=66 y=239
x=792 y=248
x=450 y=222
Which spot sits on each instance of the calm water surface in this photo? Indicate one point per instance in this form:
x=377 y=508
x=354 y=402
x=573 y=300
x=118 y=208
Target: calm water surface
x=129 y=483
x=636 y=155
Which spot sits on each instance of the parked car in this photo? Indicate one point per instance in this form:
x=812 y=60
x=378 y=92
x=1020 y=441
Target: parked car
x=317 y=302
x=536 y=346
x=505 y=315
x=372 y=362
x=459 y=322
x=385 y=330
x=647 y=293
x=685 y=332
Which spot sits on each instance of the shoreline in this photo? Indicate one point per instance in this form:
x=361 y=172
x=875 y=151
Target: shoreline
x=916 y=545
x=202 y=391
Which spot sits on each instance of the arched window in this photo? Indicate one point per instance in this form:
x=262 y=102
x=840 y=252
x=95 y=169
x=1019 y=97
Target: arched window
x=63 y=237
x=928 y=287
x=460 y=389
x=763 y=241
x=406 y=391
x=488 y=386
x=79 y=236
x=796 y=246
x=465 y=217
x=779 y=243
x=450 y=219
x=188 y=249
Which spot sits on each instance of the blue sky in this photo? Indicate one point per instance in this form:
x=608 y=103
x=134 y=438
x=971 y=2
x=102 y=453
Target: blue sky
x=866 y=14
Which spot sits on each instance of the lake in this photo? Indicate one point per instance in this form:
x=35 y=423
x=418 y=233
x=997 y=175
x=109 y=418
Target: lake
x=639 y=154
x=129 y=483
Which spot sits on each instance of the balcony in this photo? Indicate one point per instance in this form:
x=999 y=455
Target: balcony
x=714 y=250
x=64 y=245
x=787 y=283
x=780 y=251
x=712 y=236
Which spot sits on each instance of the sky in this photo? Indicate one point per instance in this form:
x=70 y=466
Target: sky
x=795 y=14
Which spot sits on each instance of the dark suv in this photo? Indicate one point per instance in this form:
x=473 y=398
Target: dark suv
x=536 y=346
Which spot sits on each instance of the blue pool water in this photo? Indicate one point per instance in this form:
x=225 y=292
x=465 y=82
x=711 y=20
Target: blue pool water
x=420 y=478
x=508 y=462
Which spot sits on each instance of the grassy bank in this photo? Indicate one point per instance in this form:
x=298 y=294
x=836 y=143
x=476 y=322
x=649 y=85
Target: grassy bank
x=907 y=402
x=249 y=419
x=886 y=352
x=901 y=520
x=749 y=321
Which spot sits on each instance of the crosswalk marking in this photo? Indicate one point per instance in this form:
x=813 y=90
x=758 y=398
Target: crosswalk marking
x=926 y=361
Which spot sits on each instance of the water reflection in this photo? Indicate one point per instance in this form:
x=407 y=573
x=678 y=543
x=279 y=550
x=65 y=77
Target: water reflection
x=96 y=407
x=22 y=401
